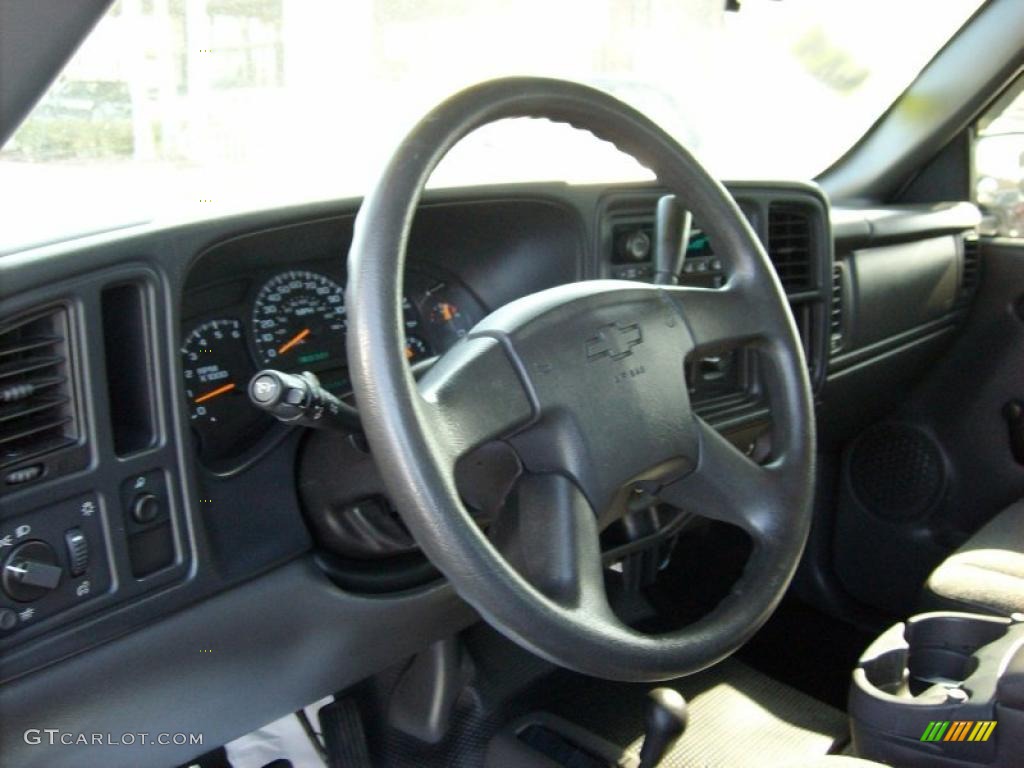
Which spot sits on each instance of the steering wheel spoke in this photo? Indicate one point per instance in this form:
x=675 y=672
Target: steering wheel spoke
x=728 y=486
x=474 y=394
x=549 y=533
x=719 y=317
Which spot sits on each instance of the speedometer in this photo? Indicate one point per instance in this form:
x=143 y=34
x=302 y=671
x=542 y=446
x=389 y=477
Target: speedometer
x=299 y=322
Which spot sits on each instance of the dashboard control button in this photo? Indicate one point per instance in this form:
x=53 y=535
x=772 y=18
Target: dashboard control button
x=145 y=508
x=31 y=571
x=78 y=551
x=638 y=245
x=23 y=475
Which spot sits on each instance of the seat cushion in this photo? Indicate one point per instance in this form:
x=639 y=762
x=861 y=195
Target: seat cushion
x=834 y=761
x=987 y=573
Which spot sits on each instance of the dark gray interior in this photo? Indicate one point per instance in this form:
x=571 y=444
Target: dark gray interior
x=218 y=573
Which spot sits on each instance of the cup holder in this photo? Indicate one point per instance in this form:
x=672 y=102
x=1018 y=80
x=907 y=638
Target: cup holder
x=931 y=654
x=936 y=667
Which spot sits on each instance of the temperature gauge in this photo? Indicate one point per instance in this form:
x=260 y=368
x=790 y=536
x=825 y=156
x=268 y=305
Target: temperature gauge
x=416 y=349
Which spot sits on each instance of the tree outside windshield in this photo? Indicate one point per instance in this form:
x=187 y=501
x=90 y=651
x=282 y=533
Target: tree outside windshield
x=178 y=105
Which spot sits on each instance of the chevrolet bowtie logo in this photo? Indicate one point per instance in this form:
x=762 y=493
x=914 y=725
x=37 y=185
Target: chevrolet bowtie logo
x=615 y=341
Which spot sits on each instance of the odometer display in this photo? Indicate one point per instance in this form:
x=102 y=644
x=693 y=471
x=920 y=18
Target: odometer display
x=299 y=322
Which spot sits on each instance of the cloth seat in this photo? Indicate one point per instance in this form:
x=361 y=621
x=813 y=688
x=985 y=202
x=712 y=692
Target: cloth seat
x=986 y=574
x=835 y=761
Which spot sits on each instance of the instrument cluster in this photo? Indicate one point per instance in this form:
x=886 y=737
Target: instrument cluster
x=293 y=320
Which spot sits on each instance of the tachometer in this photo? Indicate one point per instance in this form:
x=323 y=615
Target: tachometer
x=216 y=368
x=299 y=322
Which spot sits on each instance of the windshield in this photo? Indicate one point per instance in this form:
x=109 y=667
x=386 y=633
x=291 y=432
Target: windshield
x=172 y=105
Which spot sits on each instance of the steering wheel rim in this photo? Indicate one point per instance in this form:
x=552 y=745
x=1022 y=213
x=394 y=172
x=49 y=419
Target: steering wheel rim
x=510 y=380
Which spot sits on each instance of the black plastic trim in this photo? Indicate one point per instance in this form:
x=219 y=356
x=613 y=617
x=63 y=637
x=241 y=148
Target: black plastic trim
x=855 y=228
x=941 y=102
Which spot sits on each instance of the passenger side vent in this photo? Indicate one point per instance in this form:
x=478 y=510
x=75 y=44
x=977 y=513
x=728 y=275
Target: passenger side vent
x=789 y=245
x=835 y=318
x=971 y=276
x=37 y=404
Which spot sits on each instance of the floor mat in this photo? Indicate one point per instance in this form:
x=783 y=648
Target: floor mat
x=738 y=717
x=801 y=646
x=809 y=650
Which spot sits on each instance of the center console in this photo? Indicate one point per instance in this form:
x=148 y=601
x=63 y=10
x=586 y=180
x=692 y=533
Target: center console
x=942 y=689
x=792 y=222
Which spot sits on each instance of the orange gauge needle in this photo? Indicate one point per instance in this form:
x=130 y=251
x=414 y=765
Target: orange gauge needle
x=291 y=343
x=214 y=392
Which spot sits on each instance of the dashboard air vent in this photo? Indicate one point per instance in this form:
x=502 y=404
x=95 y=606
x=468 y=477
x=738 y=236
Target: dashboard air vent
x=835 y=318
x=971 y=276
x=37 y=407
x=789 y=245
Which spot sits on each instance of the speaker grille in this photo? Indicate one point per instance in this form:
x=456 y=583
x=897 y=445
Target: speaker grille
x=896 y=471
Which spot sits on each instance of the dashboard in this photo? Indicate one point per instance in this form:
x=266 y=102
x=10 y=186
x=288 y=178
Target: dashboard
x=274 y=297
x=177 y=517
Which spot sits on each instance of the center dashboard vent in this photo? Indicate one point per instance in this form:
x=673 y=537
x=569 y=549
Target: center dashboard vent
x=790 y=245
x=38 y=412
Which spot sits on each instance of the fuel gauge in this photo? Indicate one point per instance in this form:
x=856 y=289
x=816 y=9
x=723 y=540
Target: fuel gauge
x=448 y=318
x=447 y=312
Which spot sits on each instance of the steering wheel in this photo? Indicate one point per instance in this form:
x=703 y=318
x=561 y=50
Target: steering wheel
x=585 y=382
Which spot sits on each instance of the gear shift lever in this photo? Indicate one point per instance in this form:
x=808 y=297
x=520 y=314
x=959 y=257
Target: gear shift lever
x=664 y=723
